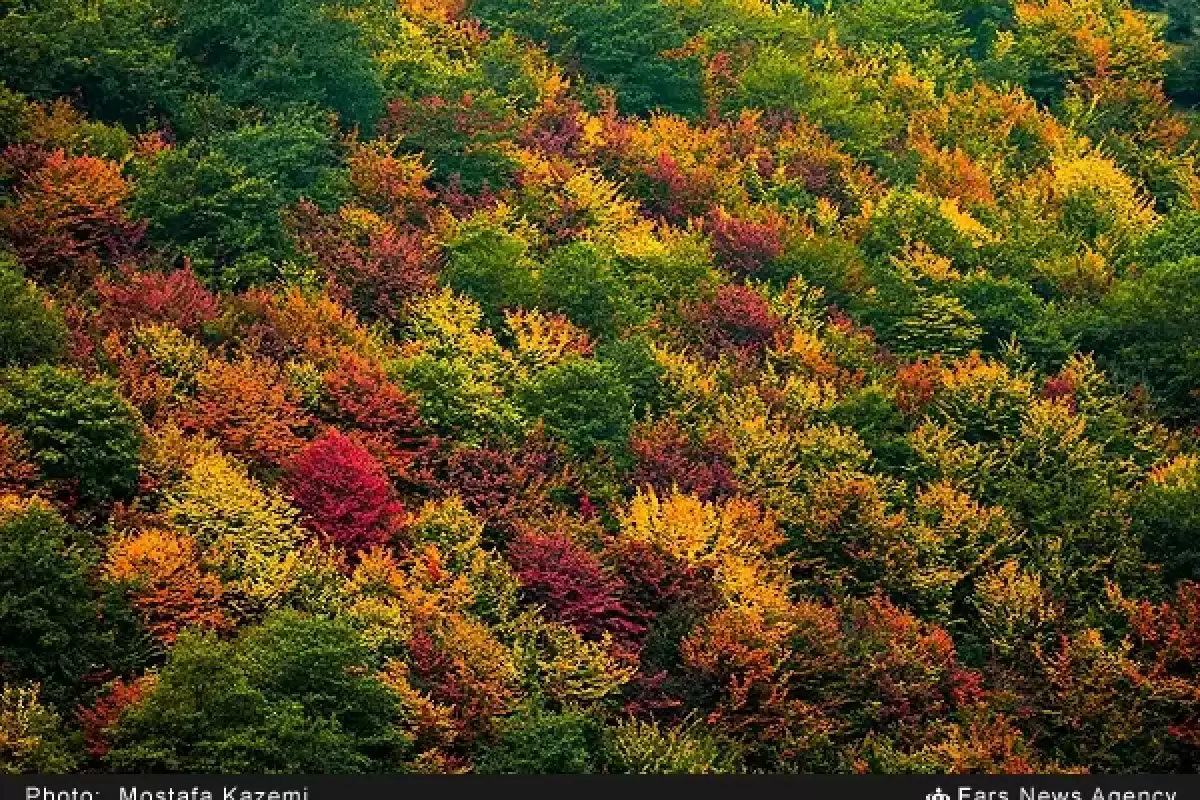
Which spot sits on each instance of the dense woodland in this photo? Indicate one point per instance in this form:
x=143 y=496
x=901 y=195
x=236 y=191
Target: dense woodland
x=599 y=386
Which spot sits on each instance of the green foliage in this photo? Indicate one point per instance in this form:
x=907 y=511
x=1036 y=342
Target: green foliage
x=493 y=268
x=1177 y=237
x=916 y=25
x=624 y=43
x=278 y=54
x=540 y=742
x=637 y=368
x=32 y=737
x=112 y=54
x=293 y=695
x=81 y=433
x=220 y=203
x=648 y=748
x=31 y=330
x=583 y=403
x=935 y=324
x=1166 y=514
x=581 y=281
x=55 y=628
x=1147 y=333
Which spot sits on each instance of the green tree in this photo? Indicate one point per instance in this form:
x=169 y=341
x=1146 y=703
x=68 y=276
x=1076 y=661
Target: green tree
x=540 y=742
x=493 y=268
x=55 y=629
x=79 y=432
x=293 y=695
x=1146 y=332
x=114 y=56
x=277 y=54
x=584 y=403
x=31 y=331
x=916 y=25
x=220 y=203
x=624 y=43
x=581 y=280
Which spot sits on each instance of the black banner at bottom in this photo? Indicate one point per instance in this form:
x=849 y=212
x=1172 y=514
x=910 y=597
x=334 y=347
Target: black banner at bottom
x=652 y=787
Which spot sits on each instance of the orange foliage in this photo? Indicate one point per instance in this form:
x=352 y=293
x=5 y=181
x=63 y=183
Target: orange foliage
x=249 y=409
x=67 y=219
x=169 y=590
x=17 y=472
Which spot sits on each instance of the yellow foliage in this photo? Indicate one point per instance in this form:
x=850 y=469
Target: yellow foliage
x=170 y=452
x=735 y=539
x=964 y=223
x=556 y=660
x=24 y=724
x=543 y=339
x=1180 y=473
x=224 y=508
x=1013 y=606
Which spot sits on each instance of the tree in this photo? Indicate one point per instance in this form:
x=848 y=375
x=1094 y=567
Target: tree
x=1145 y=333
x=637 y=46
x=358 y=398
x=32 y=330
x=344 y=493
x=537 y=741
x=80 y=433
x=737 y=321
x=32 y=737
x=220 y=202
x=141 y=298
x=249 y=408
x=69 y=219
x=294 y=695
x=571 y=586
x=494 y=269
x=278 y=55
x=916 y=26
x=55 y=629
x=111 y=54
x=583 y=403
x=581 y=281
x=162 y=572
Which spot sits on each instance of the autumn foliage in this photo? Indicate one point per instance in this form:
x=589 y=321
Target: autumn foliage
x=622 y=386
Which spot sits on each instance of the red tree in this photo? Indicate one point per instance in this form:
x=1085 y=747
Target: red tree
x=375 y=271
x=499 y=486
x=155 y=297
x=665 y=456
x=572 y=587
x=344 y=493
x=98 y=720
x=743 y=246
x=737 y=321
x=358 y=397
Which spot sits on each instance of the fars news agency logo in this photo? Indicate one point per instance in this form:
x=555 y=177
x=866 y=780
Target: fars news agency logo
x=938 y=794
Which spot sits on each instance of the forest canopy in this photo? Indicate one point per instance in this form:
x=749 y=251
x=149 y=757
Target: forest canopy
x=636 y=386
